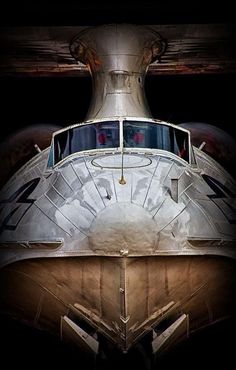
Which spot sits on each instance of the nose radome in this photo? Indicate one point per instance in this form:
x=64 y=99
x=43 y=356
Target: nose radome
x=123 y=227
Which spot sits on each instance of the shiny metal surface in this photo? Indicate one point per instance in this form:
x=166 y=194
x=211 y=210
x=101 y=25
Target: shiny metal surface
x=70 y=206
x=118 y=57
x=120 y=253
x=120 y=298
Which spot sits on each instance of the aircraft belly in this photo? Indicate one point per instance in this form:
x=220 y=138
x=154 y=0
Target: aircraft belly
x=120 y=297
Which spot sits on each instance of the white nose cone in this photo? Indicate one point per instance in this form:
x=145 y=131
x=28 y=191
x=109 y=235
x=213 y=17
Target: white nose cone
x=123 y=228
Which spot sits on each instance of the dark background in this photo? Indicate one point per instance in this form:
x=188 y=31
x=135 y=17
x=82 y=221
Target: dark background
x=92 y=12
x=64 y=101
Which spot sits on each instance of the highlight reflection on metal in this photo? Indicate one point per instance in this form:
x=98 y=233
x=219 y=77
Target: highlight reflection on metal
x=158 y=245
x=118 y=58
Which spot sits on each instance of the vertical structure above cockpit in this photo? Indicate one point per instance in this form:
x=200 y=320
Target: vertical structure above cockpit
x=118 y=57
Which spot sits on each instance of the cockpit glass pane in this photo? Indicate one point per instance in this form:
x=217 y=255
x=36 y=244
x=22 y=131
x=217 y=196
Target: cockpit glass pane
x=50 y=157
x=91 y=136
x=156 y=136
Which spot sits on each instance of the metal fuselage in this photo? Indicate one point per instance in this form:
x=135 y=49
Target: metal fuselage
x=119 y=238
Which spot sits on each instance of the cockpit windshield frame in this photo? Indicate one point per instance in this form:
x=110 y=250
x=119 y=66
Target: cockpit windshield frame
x=161 y=136
x=94 y=136
x=117 y=138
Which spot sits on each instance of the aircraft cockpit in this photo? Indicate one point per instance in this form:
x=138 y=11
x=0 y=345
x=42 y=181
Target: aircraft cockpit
x=120 y=135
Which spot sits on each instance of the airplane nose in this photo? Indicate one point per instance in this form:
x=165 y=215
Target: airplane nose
x=123 y=228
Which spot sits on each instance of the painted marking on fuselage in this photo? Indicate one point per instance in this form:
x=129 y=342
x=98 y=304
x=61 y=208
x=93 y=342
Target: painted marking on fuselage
x=222 y=194
x=19 y=199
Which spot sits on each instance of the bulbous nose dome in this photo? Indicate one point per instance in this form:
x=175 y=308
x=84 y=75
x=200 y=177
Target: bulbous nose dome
x=123 y=227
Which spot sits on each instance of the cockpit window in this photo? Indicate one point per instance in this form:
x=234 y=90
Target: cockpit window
x=50 y=157
x=102 y=135
x=156 y=136
x=91 y=136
